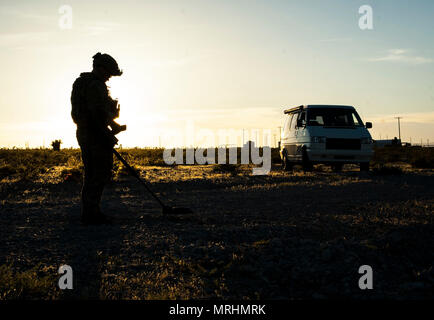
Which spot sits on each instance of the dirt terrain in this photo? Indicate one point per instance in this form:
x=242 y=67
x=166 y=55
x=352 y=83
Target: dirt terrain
x=281 y=236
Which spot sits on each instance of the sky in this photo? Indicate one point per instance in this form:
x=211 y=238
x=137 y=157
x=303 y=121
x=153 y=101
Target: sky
x=216 y=65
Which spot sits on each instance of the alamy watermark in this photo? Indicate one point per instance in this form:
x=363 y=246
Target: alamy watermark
x=65 y=19
x=66 y=280
x=227 y=141
x=366 y=20
x=366 y=281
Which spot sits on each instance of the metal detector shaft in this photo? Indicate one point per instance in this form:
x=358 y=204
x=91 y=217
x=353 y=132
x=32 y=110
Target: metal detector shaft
x=135 y=174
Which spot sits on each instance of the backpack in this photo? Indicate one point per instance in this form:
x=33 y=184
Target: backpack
x=78 y=97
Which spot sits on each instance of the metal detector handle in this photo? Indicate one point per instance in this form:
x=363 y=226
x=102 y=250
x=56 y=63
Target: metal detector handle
x=135 y=174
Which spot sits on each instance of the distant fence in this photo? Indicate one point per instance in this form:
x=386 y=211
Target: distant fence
x=397 y=142
x=422 y=145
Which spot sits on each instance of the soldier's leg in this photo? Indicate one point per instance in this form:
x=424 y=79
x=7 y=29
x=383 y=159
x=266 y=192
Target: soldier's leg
x=89 y=195
x=103 y=172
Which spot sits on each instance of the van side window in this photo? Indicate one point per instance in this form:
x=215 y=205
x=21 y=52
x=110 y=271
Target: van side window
x=285 y=127
x=302 y=117
x=285 y=123
x=291 y=116
x=294 y=122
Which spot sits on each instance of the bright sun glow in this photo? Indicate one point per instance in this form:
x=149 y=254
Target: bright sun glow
x=129 y=99
x=136 y=100
x=219 y=64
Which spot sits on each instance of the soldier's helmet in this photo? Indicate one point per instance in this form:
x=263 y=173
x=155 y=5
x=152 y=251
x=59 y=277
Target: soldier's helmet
x=107 y=62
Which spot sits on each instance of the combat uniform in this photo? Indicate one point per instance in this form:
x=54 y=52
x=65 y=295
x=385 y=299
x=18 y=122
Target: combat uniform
x=96 y=150
x=93 y=110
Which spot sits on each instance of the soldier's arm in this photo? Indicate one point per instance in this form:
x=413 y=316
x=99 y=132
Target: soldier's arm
x=97 y=99
x=116 y=128
x=114 y=108
x=99 y=110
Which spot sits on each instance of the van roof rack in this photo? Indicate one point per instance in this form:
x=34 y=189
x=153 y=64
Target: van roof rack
x=300 y=108
x=293 y=109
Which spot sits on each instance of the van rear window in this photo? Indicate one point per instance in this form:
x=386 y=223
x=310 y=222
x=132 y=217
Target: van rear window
x=333 y=117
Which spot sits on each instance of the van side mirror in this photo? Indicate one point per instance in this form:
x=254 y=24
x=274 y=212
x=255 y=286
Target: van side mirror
x=368 y=125
x=299 y=123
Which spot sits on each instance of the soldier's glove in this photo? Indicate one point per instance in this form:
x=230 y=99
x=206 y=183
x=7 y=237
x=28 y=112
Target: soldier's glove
x=116 y=128
x=115 y=109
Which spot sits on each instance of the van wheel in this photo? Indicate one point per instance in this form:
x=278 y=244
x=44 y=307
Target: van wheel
x=364 y=166
x=337 y=167
x=286 y=165
x=307 y=165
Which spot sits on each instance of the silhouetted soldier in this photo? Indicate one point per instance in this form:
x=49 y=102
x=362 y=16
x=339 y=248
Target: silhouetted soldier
x=93 y=110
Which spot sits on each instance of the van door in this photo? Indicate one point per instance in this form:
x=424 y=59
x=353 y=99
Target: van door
x=300 y=134
x=284 y=133
x=292 y=136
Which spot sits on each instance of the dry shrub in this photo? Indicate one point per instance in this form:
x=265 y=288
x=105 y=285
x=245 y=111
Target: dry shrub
x=416 y=156
x=119 y=170
x=226 y=168
x=7 y=171
x=422 y=163
x=71 y=174
x=36 y=283
x=383 y=170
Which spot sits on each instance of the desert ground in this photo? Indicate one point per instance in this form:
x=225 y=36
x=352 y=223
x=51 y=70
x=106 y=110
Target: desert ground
x=286 y=235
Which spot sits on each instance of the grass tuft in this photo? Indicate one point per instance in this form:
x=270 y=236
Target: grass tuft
x=383 y=170
x=36 y=283
x=226 y=168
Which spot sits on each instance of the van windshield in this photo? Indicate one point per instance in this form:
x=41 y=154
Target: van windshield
x=333 y=117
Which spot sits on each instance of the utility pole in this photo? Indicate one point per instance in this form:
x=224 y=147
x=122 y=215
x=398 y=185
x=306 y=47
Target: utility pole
x=399 y=127
x=280 y=136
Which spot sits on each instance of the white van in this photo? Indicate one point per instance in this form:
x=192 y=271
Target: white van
x=329 y=134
